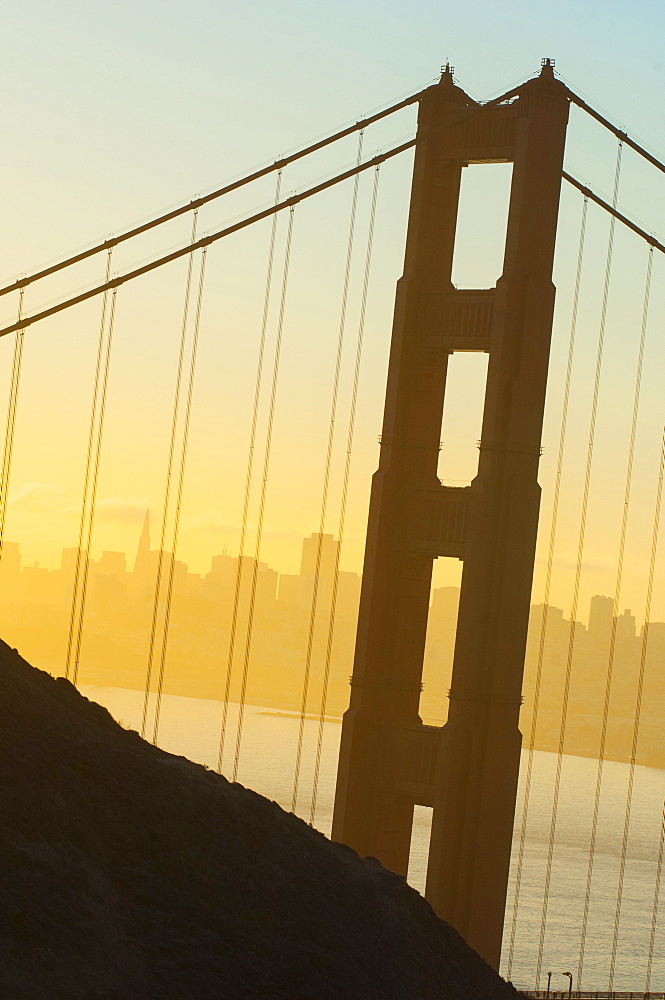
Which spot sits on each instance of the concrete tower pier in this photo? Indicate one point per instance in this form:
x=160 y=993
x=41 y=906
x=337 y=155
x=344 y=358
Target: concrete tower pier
x=389 y=761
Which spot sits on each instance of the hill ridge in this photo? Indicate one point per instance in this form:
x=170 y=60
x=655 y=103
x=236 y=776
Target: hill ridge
x=133 y=873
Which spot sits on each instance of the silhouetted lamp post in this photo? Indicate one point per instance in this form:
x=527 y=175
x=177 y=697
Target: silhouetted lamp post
x=570 y=987
x=549 y=980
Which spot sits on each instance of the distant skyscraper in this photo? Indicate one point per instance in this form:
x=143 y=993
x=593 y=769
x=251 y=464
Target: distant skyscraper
x=68 y=560
x=329 y=548
x=625 y=628
x=143 y=552
x=141 y=576
x=600 y=617
x=288 y=592
x=112 y=564
x=445 y=602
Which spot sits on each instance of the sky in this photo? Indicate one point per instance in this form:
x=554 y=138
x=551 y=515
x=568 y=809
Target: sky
x=115 y=112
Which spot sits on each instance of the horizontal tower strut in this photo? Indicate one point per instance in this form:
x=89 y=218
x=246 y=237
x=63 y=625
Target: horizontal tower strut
x=588 y=193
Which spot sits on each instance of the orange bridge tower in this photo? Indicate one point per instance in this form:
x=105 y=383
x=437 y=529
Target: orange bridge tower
x=468 y=769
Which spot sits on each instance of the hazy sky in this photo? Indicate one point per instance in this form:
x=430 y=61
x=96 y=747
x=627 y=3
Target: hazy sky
x=114 y=112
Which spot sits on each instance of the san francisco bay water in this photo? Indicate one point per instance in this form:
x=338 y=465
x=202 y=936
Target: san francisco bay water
x=266 y=762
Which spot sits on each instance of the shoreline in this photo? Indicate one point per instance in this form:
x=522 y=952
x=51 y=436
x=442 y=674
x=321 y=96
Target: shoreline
x=291 y=711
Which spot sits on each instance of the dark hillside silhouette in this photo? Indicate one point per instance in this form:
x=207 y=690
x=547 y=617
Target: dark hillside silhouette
x=130 y=873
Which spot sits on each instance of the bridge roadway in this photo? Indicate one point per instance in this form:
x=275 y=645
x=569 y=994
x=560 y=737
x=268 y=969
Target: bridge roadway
x=593 y=995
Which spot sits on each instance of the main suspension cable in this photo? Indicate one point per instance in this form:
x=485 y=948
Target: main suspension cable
x=99 y=365
x=248 y=477
x=167 y=486
x=278 y=164
x=205 y=241
x=264 y=488
x=640 y=681
x=10 y=425
x=621 y=135
x=244 y=223
x=578 y=572
x=326 y=478
x=181 y=482
x=548 y=582
x=197 y=203
x=612 y=210
x=93 y=490
x=345 y=489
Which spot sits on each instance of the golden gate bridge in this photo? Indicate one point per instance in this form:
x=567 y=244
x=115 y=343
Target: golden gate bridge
x=466 y=771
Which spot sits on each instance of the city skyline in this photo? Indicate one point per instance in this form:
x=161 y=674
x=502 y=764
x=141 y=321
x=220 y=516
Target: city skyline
x=117 y=625
x=113 y=562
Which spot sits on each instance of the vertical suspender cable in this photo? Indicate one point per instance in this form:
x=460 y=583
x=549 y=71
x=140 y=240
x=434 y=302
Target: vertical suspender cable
x=167 y=487
x=326 y=477
x=86 y=479
x=578 y=570
x=345 y=488
x=661 y=846
x=11 y=421
x=656 y=899
x=640 y=681
x=248 y=476
x=613 y=633
x=264 y=488
x=640 y=686
x=548 y=581
x=181 y=481
x=93 y=489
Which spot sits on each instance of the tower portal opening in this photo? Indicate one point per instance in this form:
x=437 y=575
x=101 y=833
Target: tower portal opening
x=421 y=832
x=440 y=641
x=481 y=225
x=462 y=417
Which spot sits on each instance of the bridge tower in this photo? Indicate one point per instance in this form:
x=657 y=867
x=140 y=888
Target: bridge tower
x=468 y=769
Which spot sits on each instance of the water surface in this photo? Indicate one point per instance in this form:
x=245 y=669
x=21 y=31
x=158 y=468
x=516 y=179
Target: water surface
x=266 y=763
